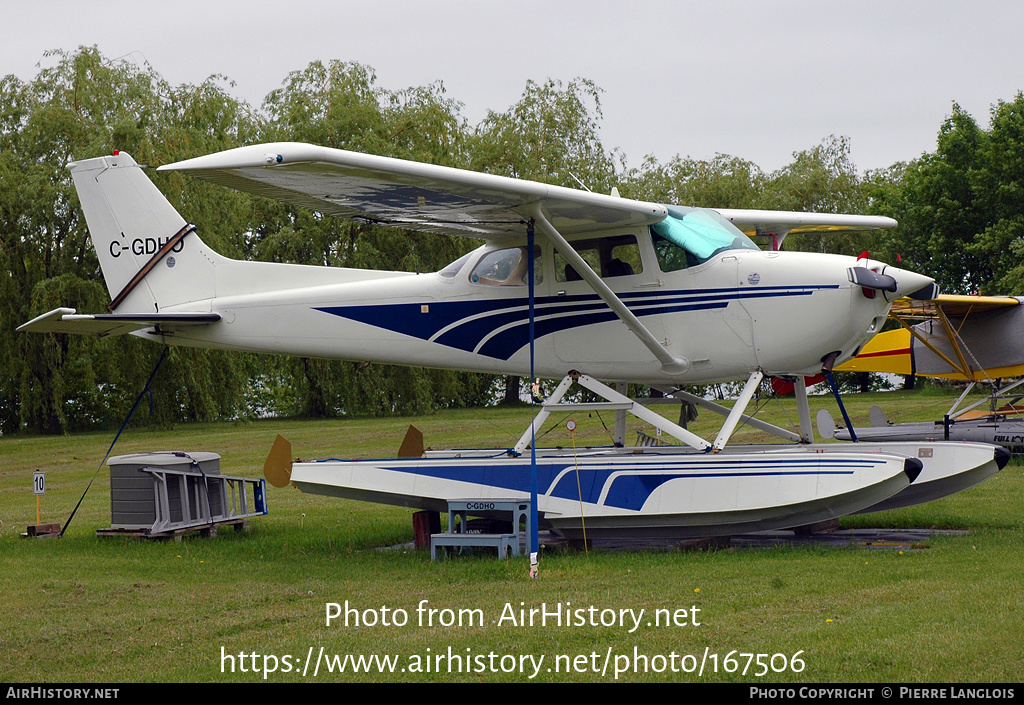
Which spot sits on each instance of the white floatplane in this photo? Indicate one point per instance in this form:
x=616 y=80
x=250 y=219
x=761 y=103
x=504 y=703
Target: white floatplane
x=566 y=280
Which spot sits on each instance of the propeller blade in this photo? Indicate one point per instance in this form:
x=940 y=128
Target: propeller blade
x=862 y=276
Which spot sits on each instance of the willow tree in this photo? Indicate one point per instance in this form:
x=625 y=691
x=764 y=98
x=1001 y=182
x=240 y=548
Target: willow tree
x=820 y=179
x=722 y=182
x=81 y=107
x=551 y=135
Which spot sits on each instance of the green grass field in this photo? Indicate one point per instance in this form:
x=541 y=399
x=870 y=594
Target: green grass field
x=88 y=609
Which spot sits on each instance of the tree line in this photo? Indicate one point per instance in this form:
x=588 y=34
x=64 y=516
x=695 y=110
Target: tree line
x=961 y=213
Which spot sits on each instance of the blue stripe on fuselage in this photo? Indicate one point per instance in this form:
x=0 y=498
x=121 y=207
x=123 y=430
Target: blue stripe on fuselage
x=498 y=328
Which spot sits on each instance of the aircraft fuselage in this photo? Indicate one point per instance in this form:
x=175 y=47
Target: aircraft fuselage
x=722 y=315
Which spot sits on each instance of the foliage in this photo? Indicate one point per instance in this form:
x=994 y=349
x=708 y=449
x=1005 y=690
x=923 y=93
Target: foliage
x=821 y=179
x=86 y=105
x=549 y=135
x=999 y=184
x=723 y=182
x=960 y=208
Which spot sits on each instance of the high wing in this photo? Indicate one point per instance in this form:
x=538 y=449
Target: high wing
x=409 y=194
x=65 y=320
x=782 y=223
x=442 y=199
x=968 y=338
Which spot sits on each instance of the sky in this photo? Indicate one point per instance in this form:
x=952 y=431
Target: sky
x=755 y=80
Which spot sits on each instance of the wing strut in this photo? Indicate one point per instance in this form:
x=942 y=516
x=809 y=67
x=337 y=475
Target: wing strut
x=670 y=364
x=736 y=413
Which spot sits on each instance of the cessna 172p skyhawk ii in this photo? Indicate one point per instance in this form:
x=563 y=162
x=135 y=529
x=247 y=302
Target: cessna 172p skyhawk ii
x=621 y=291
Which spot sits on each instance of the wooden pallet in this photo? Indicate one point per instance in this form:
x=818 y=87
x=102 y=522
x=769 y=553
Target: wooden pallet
x=204 y=531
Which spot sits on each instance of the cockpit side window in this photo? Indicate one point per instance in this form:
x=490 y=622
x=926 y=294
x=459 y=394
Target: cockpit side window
x=689 y=238
x=508 y=267
x=671 y=257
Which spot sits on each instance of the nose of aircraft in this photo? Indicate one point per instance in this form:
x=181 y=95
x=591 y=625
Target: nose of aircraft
x=893 y=282
x=912 y=284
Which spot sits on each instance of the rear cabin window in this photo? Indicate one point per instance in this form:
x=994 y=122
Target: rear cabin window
x=455 y=267
x=617 y=256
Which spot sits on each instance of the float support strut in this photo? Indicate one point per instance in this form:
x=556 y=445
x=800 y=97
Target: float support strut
x=738 y=408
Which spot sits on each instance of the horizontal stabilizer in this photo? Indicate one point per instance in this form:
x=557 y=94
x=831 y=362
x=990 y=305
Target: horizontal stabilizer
x=65 y=320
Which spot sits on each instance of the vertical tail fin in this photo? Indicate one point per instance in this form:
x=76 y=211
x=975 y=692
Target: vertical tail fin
x=149 y=255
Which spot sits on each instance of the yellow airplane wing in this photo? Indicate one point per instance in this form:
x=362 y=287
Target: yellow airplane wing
x=955 y=337
x=886 y=352
x=953 y=305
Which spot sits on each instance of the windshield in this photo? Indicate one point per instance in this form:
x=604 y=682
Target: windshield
x=686 y=238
